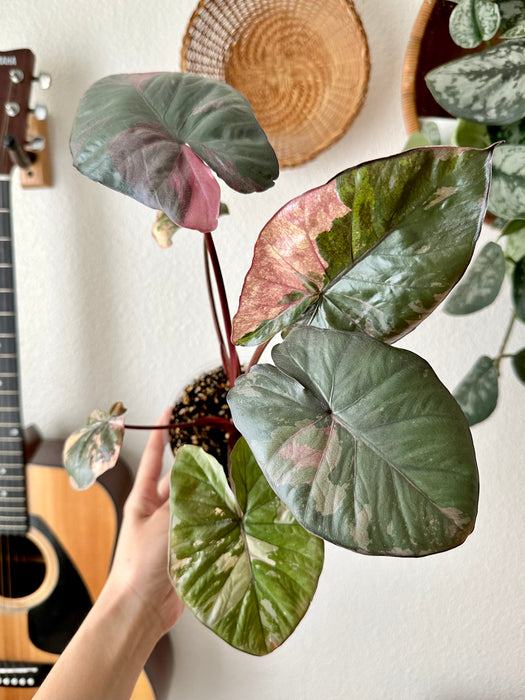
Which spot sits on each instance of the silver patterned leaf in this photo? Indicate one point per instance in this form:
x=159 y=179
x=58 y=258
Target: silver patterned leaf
x=507 y=192
x=486 y=87
x=481 y=285
x=474 y=21
x=477 y=393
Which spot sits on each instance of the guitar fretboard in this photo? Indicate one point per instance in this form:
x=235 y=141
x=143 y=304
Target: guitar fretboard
x=13 y=500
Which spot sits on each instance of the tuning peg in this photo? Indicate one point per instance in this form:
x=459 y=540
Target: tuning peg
x=40 y=112
x=44 y=80
x=16 y=75
x=36 y=145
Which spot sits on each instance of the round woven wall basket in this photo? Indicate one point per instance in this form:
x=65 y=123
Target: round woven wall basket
x=302 y=64
x=429 y=46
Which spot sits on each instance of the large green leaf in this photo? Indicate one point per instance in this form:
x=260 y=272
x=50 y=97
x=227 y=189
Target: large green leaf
x=472 y=135
x=362 y=441
x=507 y=193
x=518 y=288
x=95 y=448
x=481 y=284
x=152 y=136
x=242 y=564
x=474 y=21
x=487 y=87
x=477 y=393
x=376 y=248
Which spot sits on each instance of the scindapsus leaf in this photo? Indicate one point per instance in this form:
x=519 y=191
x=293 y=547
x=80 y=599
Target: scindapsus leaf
x=95 y=448
x=486 y=87
x=481 y=284
x=518 y=288
x=242 y=564
x=477 y=393
x=377 y=248
x=512 y=19
x=507 y=193
x=474 y=21
x=514 y=236
x=518 y=363
x=362 y=441
x=155 y=137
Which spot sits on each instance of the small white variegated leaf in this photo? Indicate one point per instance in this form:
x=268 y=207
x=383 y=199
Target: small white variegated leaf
x=474 y=21
x=512 y=19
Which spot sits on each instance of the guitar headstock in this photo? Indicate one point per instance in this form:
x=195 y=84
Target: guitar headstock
x=16 y=77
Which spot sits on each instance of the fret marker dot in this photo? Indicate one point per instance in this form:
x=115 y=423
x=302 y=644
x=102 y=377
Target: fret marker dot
x=13 y=432
x=3 y=470
x=3 y=493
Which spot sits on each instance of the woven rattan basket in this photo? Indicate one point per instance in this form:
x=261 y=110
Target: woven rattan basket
x=302 y=64
x=429 y=46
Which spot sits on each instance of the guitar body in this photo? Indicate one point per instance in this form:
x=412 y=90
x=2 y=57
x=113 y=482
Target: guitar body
x=69 y=548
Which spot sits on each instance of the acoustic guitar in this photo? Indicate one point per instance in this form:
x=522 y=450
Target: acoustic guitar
x=56 y=544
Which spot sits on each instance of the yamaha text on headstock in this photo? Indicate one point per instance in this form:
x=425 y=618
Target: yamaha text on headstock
x=55 y=544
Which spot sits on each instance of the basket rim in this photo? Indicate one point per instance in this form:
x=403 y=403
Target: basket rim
x=334 y=132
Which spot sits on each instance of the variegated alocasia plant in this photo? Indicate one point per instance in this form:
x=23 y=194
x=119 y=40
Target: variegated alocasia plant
x=345 y=438
x=485 y=91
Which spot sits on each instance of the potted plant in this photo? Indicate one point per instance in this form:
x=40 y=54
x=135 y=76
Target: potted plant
x=344 y=437
x=484 y=90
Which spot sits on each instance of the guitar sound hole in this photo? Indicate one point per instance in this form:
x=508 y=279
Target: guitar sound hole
x=22 y=566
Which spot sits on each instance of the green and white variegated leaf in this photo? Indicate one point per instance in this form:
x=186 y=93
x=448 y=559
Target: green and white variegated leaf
x=242 y=563
x=377 y=248
x=362 y=442
x=513 y=234
x=481 y=284
x=474 y=21
x=507 y=193
x=477 y=394
x=518 y=288
x=486 y=87
x=512 y=19
x=518 y=363
x=95 y=448
x=472 y=135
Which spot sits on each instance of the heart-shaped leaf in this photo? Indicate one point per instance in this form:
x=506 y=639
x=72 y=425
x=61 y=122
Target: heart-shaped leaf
x=481 y=284
x=474 y=21
x=95 y=448
x=486 y=87
x=152 y=136
x=362 y=441
x=243 y=565
x=507 y=193
x=376 y=248
x=518 y=288
x=477 y=394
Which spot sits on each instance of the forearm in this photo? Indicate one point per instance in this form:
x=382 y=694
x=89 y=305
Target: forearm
x=107 y=654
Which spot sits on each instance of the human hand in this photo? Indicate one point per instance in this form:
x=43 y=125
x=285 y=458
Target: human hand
x=140 y=565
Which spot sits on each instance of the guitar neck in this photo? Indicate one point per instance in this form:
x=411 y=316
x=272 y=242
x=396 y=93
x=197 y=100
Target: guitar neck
x=13 y=499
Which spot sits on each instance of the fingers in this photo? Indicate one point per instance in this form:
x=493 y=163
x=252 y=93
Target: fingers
x=164 y=488
x=151 y=463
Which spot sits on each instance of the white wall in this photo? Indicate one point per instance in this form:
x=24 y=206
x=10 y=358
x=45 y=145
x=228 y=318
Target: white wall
x=105 y=315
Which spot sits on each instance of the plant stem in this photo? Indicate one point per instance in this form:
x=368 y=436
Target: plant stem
x=233 y=368
x=222 y=346
x=506 y=337
x=257 y=354
x=206 y=420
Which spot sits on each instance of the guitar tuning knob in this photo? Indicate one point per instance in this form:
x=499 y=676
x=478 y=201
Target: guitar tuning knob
x=44 y=80
x=36 y=145
x=40 y=112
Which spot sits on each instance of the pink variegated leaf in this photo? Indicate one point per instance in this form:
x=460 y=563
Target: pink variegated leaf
x=95 y=448
x=287 y=271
